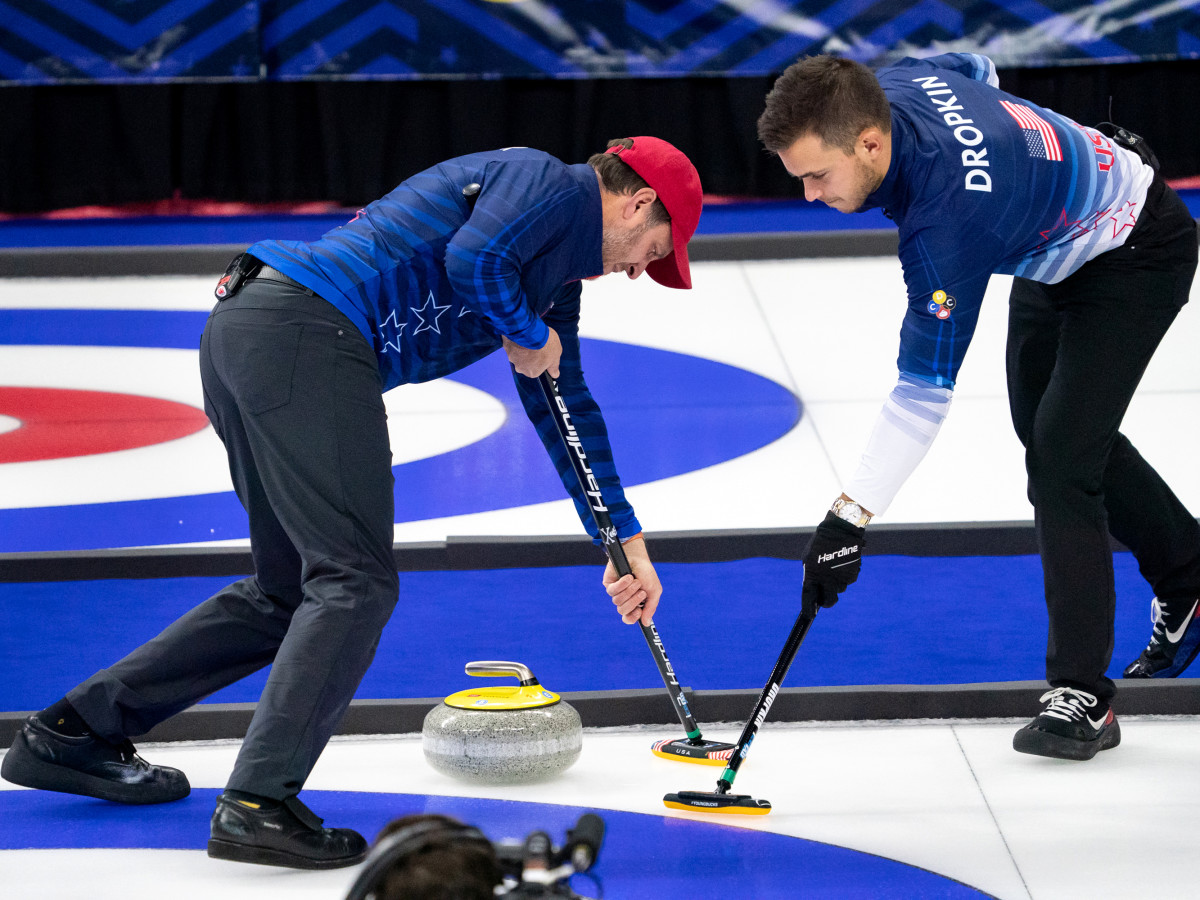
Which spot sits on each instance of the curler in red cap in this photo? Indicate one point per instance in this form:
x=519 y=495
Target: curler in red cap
x=677 y=184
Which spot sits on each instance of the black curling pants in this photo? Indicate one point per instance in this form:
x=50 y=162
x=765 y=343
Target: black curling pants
x=294 y=392
x=1076 y=352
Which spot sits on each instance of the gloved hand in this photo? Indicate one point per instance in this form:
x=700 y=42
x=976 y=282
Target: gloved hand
x=831 y=561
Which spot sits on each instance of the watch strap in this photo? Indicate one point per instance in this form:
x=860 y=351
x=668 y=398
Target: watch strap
x=851 y=512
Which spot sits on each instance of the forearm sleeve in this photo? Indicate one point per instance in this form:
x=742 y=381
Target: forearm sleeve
x=910 y=419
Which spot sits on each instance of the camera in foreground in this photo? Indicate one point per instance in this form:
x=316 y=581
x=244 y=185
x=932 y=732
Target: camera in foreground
x=435 y=857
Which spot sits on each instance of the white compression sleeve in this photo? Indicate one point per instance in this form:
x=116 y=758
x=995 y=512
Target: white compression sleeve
x=910 y=419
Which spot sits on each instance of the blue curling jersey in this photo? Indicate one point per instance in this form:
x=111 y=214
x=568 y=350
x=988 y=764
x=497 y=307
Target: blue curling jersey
x=981 y=181
x=433 y=282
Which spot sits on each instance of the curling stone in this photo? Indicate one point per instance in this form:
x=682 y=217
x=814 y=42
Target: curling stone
x=504 y=734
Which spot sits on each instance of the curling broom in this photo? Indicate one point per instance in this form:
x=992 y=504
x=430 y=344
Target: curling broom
x=694 y=748
x=720 y=800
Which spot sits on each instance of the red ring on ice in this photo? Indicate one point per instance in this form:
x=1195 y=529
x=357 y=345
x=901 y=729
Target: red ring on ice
x=57 y=423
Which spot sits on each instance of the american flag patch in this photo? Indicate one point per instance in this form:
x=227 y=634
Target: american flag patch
x=1039 y=136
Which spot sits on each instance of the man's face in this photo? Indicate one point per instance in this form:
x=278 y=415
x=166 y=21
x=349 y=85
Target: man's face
x=836 y=178
x=629 y=248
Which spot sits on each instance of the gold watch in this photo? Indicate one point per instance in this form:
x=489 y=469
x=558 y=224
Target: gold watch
x=851 y=512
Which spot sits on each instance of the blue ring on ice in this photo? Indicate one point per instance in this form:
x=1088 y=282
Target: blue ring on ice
x=642 y=855
x=667 y=413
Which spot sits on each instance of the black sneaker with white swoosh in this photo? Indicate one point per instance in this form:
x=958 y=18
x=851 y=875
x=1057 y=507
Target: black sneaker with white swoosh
x=1174 y=641
x=1072 y=725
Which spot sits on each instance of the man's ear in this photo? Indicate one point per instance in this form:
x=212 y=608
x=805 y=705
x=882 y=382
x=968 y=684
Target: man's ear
x=872 y=141
x=639 y=202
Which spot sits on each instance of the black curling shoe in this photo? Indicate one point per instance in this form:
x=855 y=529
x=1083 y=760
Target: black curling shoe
x=1171 y=649
x=274 y=833
x=1073 y=725
x=89 y=765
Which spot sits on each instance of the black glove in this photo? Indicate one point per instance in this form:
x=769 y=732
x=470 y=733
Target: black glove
x=831 y=561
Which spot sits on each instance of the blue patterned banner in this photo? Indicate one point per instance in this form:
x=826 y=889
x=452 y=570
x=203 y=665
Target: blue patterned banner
x=48 y=41
x=55 y=41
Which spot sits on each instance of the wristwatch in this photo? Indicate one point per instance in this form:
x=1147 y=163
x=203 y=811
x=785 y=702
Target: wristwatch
x=851 y=512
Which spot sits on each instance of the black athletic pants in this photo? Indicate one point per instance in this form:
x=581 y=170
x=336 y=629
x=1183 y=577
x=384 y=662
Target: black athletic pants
x=293 y=389
x=1076 y=352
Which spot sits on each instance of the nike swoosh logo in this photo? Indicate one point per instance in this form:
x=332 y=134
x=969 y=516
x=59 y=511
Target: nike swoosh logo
x=1097 y=725
x=1177 y=635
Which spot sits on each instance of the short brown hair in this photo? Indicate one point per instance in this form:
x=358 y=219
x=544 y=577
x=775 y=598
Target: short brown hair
x=447 y=863
x=619 y=178
x=835 y=99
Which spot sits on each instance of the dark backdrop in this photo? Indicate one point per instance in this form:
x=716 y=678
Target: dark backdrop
x=352 y=141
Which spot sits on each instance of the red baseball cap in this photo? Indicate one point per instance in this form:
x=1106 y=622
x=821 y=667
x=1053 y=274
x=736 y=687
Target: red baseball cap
x=677 y=184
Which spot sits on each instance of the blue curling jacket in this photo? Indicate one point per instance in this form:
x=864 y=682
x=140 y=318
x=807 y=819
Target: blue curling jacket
x=979 y=181
x=433 y=284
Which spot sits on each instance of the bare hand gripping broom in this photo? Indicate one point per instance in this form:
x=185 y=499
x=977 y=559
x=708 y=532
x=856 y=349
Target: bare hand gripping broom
x=693 y=749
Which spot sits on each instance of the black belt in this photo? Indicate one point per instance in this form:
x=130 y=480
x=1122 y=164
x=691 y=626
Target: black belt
x=271 y=274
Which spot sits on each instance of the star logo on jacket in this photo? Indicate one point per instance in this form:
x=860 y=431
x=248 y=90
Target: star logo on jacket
x=429 y=321
x=1123 y=218
x=1062 y=225
x=396 y=327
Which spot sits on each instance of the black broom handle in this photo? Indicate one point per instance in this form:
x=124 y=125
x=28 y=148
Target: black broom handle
x=766 y=698
x=612 y=544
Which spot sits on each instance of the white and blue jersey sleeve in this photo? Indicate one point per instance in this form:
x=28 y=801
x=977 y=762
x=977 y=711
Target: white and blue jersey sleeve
x=980 y=182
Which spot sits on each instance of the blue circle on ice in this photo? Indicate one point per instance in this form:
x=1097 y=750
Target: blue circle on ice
x=667 y=413
x=642 y=855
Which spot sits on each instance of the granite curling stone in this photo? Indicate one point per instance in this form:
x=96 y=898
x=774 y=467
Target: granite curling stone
x=504 y=734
